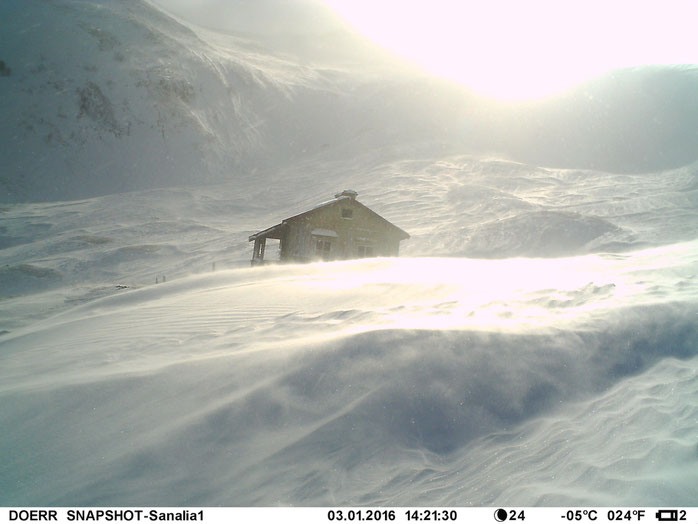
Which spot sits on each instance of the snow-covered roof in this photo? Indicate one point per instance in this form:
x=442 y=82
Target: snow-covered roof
x=328 y=202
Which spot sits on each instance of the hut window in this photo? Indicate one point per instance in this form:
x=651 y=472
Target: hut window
x=365 y=251
x=347 y=213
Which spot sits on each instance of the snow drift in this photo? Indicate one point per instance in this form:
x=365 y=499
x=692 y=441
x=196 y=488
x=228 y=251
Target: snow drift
x=536 y=343
x=367 y=382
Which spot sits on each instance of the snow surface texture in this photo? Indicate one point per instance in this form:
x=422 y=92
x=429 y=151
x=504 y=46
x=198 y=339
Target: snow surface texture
x=406 y=381
x=536 y=343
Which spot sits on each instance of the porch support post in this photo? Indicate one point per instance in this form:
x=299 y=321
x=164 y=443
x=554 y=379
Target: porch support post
x=258 y=253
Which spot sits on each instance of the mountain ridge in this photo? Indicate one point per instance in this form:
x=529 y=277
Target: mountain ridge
x=111 y=97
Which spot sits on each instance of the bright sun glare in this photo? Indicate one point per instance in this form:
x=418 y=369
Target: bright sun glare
x=522 y=50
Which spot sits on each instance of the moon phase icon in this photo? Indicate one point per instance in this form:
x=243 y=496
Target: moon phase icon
x=500 y=515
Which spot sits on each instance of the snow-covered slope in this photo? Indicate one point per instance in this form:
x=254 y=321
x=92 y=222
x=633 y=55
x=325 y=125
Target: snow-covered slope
x=534 y=344
x=406 y=381
x=107 y=97
x=454 y=206
x=448 y=381
x=102 y=97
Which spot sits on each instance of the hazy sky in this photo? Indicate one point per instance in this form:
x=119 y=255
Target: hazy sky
x=501 y=48
x=517 y=49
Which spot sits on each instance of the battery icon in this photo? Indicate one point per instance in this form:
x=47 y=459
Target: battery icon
x=667 y=515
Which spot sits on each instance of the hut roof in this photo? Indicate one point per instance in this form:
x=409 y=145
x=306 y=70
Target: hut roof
x=276 y=230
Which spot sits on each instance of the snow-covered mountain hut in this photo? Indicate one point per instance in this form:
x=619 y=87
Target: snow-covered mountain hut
x=341 y=228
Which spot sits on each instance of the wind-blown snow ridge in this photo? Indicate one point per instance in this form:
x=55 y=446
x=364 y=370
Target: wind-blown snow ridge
x=349 y=369
x=534 y=344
